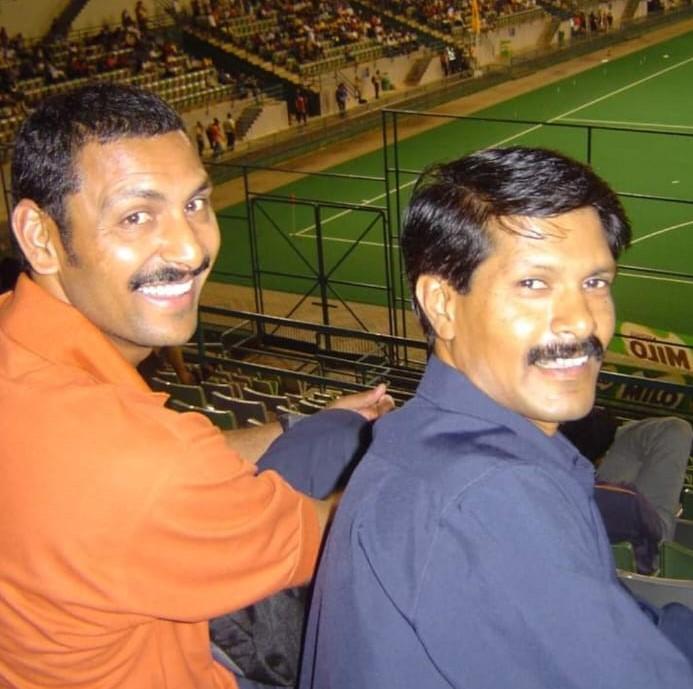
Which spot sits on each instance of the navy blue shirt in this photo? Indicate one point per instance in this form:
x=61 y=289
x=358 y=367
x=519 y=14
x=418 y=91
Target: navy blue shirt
x=468 y=552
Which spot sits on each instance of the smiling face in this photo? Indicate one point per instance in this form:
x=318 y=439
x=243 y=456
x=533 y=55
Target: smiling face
x=143 y=236
x=525 y=331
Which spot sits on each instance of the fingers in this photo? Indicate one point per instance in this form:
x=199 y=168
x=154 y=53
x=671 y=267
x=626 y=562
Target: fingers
x=371 y=404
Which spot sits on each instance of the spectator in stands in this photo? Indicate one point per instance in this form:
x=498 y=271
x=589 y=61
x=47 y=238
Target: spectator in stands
x=445 y=62
x=200 y=138
x=230 y=132
x=209 y=133
x=53 y=74
x=341 y=95
x=375 y=80
x=467 y=550
x=126 y=525
x=126 y=21
x=652 y=454
x=301 y=108
x=141 y=15
x=215 y=136
x=358 y=90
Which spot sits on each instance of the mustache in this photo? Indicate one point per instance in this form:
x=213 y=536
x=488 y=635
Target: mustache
x=591 y=347
x=168 y=274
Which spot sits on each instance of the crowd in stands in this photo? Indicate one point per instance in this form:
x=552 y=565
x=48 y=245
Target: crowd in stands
x=301 y=31
x=599 y=19
x=448 y=16
x=292 y=33
x=594 y=22
x=131 y=50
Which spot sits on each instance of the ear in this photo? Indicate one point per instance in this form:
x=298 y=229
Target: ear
x=436 y=299
x=38 y=237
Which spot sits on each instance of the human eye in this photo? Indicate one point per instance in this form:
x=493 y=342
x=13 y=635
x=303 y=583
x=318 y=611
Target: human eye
x=597 y=283
x=532 y=284
x=137 y=218
x=197 y=204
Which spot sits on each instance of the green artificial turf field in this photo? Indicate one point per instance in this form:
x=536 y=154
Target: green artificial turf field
x=632 y=118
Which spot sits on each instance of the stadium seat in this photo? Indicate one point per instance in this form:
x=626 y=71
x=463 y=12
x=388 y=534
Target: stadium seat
x=168 y=375
x=308 y=407
x=322 y=397
x=191 y=394
x=244 y=410
x=231 y=389
x=683 y=532
x=223 y=419
x=675 y=561
x=658 y=591
x=271 y=401
x=624 y=557
x=269 y=387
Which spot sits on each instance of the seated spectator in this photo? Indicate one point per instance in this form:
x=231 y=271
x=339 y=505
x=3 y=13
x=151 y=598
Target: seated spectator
x=53 y=74
x=467 y=550
x=651 y=454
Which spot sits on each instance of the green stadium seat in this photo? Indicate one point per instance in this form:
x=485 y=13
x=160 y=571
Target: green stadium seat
x=683 y=533
x=191 y=394
x=244 y=410
x=308 y=407
x=269 y=387
x=225 y=388
x=223 y=419
x=624 y=557
x=675 y=561
x=271 y=401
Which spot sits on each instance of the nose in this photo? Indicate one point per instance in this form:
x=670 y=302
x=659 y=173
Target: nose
x=180 y=243
x=572 y=315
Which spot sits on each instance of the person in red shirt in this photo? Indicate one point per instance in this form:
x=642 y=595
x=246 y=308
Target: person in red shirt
x=126 y=526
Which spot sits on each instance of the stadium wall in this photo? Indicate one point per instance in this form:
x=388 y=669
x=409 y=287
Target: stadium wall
x=36 y=22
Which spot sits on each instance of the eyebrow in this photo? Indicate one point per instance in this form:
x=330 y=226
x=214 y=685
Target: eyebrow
x=525 y=266
x=205 y=186
x=142 y=192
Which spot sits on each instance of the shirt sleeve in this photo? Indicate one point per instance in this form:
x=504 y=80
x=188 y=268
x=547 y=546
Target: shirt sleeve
x=319 y=450
x=214 y=536
x=516 y=586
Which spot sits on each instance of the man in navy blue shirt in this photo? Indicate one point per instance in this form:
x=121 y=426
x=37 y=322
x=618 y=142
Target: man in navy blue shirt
x=468 y=550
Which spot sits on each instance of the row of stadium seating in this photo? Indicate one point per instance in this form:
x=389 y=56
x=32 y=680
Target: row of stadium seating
x=248 y=400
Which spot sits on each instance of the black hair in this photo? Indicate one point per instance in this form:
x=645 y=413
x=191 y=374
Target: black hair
x=51 y=137
x=446 y=226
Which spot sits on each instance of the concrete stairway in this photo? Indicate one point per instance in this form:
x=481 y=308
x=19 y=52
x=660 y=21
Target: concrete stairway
x=416 y=71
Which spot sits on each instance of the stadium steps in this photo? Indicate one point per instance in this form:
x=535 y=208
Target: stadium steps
x=247 y=119
x=417 y=70
x=629 y=10
x=549 y=31
x=61 y=24
x=251 y=58
x=560 y=13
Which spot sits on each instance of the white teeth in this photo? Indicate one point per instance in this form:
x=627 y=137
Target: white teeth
x=563 y=363
x=171 y=289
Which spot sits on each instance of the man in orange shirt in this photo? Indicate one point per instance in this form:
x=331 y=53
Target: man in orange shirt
x=125 y=526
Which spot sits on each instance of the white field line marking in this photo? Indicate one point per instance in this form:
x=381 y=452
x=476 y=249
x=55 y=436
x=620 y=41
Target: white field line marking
x=658 y=125
x=309 y=228
x=662 y=231
x=627 y=87
x=654 y=277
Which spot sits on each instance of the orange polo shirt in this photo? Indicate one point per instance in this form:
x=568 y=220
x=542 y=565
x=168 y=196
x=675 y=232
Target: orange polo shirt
x=125 y=526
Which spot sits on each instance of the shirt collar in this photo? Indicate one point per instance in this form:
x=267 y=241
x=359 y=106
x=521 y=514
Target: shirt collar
x=450 y=389
x=58 y=332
